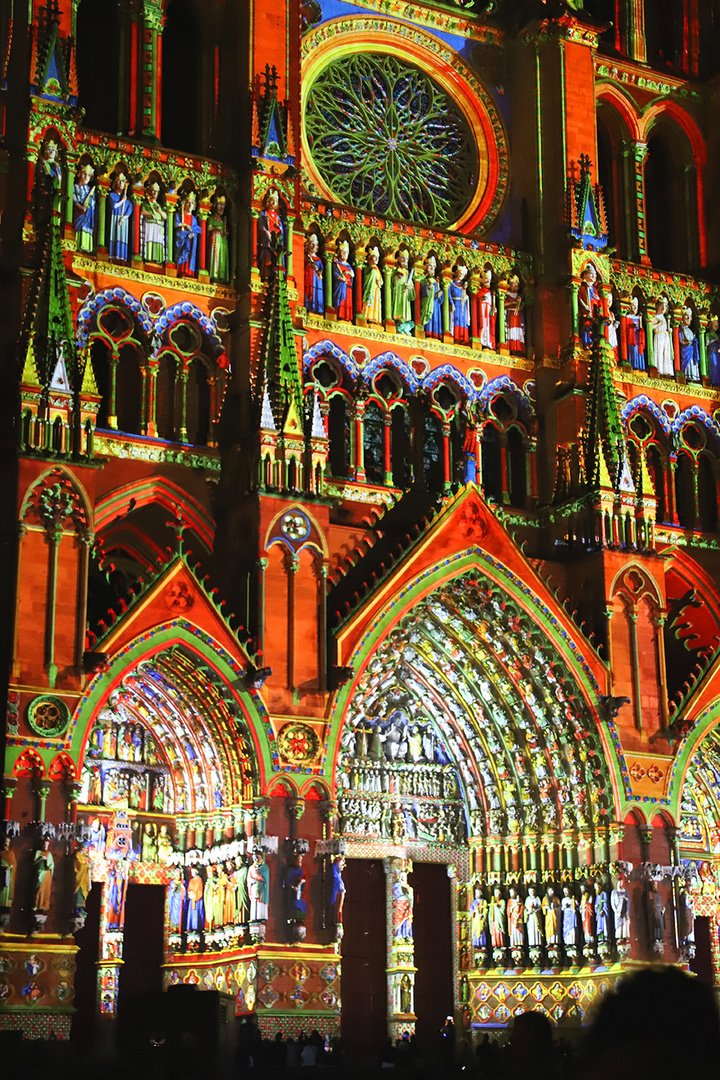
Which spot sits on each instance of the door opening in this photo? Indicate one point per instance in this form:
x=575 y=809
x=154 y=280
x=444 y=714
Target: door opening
x=433 y=952
x=364 y=981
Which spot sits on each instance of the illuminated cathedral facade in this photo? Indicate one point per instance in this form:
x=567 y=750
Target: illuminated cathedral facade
x=361 y=441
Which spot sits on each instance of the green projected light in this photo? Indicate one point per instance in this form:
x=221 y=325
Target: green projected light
x=386 y=138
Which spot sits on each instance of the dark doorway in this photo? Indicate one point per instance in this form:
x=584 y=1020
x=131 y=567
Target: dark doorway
x=364 y=987
x=143 y=941
x=701 y=963
x=88 y=942
x=433 y=951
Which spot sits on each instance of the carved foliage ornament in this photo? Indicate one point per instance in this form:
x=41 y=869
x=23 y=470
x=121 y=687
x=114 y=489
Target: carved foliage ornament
x=56 y=504
x=298 y=744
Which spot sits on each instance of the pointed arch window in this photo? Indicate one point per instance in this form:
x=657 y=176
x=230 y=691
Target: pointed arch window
x=707 y=493
x=182 y=77
x=401 y=445
x=129 y=391
x=491 y=463
x=374 y=443
x=99 y=35
x=198 y=403
x=517 y=468
x=432 y=452
x=338 y=436
x=685 y=491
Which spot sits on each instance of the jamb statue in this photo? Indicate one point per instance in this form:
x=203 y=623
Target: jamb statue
x=187 y=231
x=662 y=340
x=485 y=310
x=657 y=917
x=8 y=870
x=44 y=866
x=459 y=305
x=533 y=919
x=431 y=299
x=403 y=291
x=343 y=276
x=337 y=893
x=258 y=884
x=635 y=336
x=689 y=351
x=586 y=916
x=569 y=920
x=551 y=911
x=515 y=917
x=620 y=903
x=514 y=316
x=713 y=349
x=498 y=927
x=479 y=921
x=588 y=304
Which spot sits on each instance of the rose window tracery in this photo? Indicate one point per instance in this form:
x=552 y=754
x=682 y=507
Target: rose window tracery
x=387 y=138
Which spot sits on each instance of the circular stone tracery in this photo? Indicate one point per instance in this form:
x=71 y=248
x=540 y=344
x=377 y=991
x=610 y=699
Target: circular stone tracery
x=386 y=138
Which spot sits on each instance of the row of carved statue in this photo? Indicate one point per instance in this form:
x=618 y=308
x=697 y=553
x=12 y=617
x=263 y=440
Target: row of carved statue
x=191 y=239
x=215 y=896
x=400 y=821
x=39 y=878
x=213 y=907
x=399 y=293
x=197 y=239
x=415 y=298
x=565 y=920
x=670 y=339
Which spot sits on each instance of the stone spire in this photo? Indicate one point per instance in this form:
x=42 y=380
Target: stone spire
x=606 y=457
x=48 y=339
x=57 y=380
x=279 y=377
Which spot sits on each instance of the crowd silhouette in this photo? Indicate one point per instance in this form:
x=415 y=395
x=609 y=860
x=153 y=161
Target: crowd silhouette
x=657 y=1021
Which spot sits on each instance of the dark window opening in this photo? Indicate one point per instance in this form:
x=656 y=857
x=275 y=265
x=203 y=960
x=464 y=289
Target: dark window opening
x=182 y=78
x=338 y=437
x=491 y=463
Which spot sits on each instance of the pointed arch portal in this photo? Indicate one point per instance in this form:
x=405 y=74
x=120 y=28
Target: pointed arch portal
x=470 y=738
x=174 y=756
x=467 y=695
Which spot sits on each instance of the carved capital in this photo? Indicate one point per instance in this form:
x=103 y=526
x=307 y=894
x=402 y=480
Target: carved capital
x=327 y=809
x=640 y=150
x=153 y=15
x=295 y=807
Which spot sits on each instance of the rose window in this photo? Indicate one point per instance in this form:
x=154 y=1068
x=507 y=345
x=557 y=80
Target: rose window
x=386 y=138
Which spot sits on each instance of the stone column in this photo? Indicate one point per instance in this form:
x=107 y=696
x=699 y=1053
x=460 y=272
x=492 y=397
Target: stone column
x=632 y=31
x=359 y=440
x=639 y=150
x=151 y=52
x=400 y=948
x=42 y=790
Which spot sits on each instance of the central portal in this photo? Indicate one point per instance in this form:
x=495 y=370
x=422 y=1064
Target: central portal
x=369 y=990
